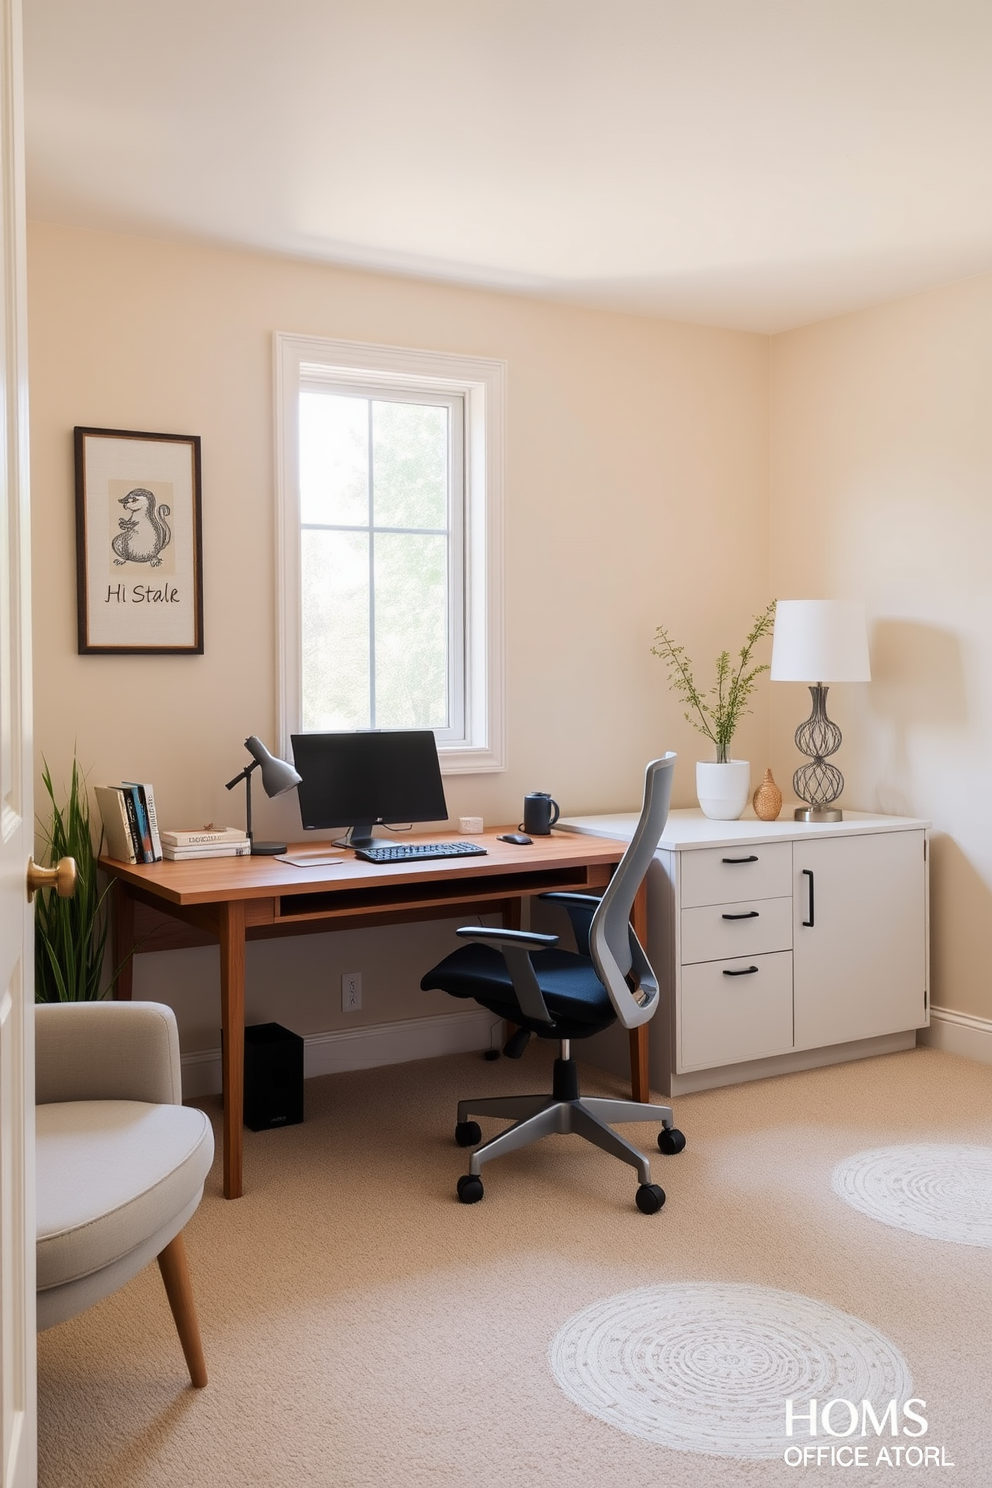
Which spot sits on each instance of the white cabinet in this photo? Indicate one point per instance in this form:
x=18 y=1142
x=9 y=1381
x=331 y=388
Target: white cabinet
x=781 y=945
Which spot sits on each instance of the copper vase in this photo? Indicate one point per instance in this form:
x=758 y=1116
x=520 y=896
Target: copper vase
x=767 y=799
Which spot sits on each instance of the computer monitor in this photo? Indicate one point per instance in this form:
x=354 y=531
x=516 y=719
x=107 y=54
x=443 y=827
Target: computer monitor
x=360 y=780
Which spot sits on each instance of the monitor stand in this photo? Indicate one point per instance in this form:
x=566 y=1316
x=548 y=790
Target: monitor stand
x=359 y=835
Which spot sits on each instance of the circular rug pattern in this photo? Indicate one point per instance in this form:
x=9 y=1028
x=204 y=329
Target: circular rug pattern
x=708 y=1368
x=940 y=1190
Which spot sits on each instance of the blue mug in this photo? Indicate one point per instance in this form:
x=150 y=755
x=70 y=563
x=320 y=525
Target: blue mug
x=540 y=814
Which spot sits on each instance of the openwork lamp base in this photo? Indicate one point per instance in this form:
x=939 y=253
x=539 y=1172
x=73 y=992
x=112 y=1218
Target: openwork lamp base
x=818 y=783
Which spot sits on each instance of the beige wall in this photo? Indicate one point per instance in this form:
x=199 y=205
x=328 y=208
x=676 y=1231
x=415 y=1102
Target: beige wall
x=881 y=489
x=636 y=493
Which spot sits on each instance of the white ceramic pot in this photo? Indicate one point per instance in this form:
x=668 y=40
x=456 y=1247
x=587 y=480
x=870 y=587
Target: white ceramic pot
x=723 y=790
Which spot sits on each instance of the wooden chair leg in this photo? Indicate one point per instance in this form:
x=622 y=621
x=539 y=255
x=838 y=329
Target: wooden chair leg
x=175 y=1274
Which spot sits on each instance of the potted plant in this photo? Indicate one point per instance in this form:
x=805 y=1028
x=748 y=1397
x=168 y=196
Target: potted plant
x=71 y=934
x=722 y=786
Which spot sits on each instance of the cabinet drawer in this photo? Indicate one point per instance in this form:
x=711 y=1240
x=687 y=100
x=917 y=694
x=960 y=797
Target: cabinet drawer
x=722 y=875
x=744 y=928
x=727 y=1018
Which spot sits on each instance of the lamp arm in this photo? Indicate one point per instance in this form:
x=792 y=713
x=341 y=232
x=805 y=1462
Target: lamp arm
x=246 y=777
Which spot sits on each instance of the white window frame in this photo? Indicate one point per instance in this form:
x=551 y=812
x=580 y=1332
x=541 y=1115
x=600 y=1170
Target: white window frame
x=480 y=381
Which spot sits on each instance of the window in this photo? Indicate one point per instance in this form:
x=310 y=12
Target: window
x=390 y=551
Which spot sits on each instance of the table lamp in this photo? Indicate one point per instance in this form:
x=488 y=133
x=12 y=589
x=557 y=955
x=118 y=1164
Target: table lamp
x=818 y=641
x=278 y=777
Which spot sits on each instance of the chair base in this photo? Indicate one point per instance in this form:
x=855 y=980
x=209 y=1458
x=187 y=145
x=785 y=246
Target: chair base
x=563 y=1111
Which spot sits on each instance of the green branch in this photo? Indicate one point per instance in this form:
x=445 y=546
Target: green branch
x=717 y=716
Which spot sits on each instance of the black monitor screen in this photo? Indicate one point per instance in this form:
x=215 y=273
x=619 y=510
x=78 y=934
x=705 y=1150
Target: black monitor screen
x=359 y=779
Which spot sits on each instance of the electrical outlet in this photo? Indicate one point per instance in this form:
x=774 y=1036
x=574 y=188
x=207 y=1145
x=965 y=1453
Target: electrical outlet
x=351 y=991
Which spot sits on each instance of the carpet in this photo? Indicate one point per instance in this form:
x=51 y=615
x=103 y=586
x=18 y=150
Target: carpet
x=364 y=1330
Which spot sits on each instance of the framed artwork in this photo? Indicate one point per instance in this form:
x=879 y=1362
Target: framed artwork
x=139 y=552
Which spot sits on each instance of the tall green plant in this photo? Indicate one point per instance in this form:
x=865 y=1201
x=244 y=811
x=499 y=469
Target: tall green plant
x=71 y=934
x=718 y=714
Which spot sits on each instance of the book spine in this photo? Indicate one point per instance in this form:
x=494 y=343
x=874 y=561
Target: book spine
x=203 y=839
x=131 y=812
x=141 y=822
x=153 y=822
x=147 y=796
x=218 y=850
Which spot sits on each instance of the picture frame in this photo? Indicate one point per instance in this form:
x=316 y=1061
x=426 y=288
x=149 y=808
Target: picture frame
x=139 y=546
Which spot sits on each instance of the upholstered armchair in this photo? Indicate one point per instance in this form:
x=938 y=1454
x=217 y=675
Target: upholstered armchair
x=121 y=1161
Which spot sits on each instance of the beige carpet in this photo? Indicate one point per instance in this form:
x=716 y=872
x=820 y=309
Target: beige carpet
x=364 y=1330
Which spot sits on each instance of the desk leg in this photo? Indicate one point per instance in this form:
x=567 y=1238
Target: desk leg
x=640 y=1087
x=232 y=1014
x=123 y=942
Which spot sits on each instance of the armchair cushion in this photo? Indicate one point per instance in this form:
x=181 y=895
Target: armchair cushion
x=112 y=1173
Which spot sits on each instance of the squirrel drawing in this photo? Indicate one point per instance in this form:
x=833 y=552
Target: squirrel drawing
x=144 y=531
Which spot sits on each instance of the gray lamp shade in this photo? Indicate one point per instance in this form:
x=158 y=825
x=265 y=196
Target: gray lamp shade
x=277 y=775
x=820 y=640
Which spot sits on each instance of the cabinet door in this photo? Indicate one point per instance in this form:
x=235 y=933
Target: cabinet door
x=860 y=967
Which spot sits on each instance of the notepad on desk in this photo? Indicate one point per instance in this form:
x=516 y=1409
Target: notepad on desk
x=316 y=858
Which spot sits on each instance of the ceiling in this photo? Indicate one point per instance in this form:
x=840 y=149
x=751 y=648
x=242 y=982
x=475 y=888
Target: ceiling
x=748 y=163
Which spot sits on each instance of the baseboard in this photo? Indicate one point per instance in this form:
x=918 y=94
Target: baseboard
x=786 y=1064
x=363 y=1048
x=959 y=1033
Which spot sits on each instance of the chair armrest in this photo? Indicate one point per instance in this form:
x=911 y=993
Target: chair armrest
x=580 y=908
x=515 y=945
x=107 y=1051
x=530 y=939
x=563 y=896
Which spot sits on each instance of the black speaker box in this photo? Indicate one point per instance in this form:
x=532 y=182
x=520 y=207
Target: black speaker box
x=273 y=1076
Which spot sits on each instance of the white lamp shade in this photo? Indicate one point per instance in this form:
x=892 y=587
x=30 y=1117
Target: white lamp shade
x=820 y=640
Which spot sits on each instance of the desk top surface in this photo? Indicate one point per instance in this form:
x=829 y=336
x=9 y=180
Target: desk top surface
x=689 y=828
x=212 y=880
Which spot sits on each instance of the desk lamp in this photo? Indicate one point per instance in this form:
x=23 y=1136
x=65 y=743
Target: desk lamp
x=818 y=641
x=278 y=777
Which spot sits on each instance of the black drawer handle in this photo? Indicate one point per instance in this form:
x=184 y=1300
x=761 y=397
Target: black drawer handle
x=741 y=971
x=749 y=914
x=752 y=859
x=808 y=873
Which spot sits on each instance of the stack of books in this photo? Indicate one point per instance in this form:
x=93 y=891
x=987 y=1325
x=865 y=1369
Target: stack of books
x=130 y=825
x=207 y=842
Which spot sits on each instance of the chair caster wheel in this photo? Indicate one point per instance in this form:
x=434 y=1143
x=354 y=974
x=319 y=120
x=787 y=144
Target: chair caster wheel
x=671 y=1140
x=470 y=1189
x=468 y=1133
x=650 y=1198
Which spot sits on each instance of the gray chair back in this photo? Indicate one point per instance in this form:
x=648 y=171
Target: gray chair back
x=613 y=946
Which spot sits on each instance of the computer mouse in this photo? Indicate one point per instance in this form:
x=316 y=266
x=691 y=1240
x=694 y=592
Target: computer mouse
x=520 y=838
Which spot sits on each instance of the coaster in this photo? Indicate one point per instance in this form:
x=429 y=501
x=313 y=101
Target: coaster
x=940 y=1190
x=708 y=1368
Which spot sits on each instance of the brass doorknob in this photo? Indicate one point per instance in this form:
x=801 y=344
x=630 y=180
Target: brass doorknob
x=61 y=878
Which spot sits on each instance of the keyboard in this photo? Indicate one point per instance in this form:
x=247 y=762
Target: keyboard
x=414 y=852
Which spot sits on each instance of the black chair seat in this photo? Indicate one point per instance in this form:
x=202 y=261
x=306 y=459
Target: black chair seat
x=574 y=995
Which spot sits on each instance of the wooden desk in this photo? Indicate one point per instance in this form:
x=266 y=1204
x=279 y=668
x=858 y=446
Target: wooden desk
x=165 y=906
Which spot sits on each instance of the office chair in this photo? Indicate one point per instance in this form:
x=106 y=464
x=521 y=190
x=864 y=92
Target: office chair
x=565 y=995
